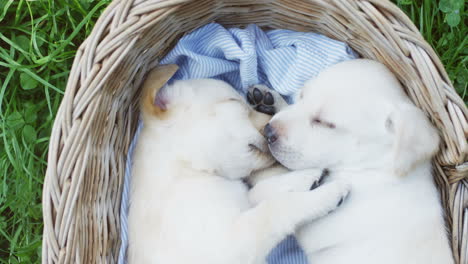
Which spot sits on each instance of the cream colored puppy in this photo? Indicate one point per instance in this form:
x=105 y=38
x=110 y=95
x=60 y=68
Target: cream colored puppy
x=355 y=120
x=188 y=202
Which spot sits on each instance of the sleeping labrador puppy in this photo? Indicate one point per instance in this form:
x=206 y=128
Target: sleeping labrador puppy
x=355 y=121
x=188 y=201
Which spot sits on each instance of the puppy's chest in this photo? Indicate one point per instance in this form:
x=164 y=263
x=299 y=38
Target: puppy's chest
x=204 y=206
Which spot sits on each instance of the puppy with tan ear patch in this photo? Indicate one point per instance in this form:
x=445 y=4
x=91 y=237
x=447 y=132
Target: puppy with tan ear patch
x=355 y=120
x=188 y=203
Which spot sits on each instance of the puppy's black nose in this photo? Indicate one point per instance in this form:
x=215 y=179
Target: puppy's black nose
x=270 y=134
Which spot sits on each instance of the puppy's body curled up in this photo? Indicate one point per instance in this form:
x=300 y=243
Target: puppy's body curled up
x=188 y=202
x=355 y=120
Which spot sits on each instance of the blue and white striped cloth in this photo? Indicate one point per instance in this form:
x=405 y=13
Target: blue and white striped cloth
x=281 y=59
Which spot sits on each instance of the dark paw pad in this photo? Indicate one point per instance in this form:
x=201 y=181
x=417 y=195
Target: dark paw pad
x=261 y=100
x=319 y=182
x=340 y=202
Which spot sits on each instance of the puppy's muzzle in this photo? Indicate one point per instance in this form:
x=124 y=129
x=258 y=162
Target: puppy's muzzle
x=270 y=134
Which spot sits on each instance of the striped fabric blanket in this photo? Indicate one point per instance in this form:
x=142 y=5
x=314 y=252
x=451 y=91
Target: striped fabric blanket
x=281 y=59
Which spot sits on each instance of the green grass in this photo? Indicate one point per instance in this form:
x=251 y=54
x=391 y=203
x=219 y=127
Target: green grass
x=38 y=40
x=443 y=24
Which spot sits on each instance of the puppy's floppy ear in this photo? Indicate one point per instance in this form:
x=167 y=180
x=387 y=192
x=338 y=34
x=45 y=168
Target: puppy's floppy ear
x=415 y=139
x=154 y=102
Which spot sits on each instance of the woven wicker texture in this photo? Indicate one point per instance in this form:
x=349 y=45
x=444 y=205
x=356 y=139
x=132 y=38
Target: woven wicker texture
x=98 y=115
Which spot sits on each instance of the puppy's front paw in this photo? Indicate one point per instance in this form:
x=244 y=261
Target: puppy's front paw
x=343 y=190
x=338 y=191
x=265 y=100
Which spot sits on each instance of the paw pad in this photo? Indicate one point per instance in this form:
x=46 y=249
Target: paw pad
x=340 y=202
x=261 y=100
x=319 y=182
x=343 y=198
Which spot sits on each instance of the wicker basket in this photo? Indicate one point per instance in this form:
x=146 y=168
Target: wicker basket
x=98 y=115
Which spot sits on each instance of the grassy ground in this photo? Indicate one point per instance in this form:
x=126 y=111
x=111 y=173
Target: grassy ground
x=38 y=40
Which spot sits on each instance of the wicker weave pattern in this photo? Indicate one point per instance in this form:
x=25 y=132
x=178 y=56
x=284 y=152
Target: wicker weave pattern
x=98 y=116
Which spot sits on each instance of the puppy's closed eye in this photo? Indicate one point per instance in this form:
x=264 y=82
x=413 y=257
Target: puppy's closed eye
x=320 y=122
x=230 y=100
x=235 y=101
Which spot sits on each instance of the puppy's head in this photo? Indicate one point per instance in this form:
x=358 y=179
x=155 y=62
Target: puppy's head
x=353 y=115
x=210 y=127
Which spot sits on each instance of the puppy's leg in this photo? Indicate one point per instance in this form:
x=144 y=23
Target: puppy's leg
x=267 y=173
x=265 y=100
x=270 y=185
x=261 y=228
